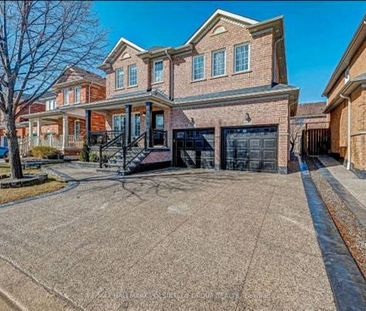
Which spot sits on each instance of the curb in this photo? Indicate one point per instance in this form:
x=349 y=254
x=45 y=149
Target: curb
x=345 y=278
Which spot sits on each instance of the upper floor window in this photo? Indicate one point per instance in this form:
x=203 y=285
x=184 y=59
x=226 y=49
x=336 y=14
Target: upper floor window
x=119 y=76
x=218 y=63
x=241 y=57
x=198 y=67
x=158 y=71
x=50 y=104
x=132 y=75
x=66 y=96
x=77 y=94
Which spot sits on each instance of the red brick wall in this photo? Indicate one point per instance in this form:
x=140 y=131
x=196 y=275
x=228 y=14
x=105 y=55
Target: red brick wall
x=124 y=59
x=260 y=62
x=261 y=113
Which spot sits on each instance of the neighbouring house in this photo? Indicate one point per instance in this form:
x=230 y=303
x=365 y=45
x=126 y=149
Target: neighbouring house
x=346 y=93
x=220 y=100
x=64 y=128
x=309 y=129
x=21 y=121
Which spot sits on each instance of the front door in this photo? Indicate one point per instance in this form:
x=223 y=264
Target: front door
x=158 y=126
x=118 y=123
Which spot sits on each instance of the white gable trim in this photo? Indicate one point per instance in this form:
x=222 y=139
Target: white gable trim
x=119 y=44
x=213 y=17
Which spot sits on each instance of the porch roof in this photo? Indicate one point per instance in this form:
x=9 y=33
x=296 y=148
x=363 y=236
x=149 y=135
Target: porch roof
x=133 y=98
x=51 y=114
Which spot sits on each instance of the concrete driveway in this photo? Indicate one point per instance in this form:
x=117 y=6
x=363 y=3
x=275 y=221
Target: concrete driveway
x=201 y=241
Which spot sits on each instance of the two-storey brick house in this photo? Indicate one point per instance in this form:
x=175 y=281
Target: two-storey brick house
x=346 y=93
x=221 y=100
x=65 y=129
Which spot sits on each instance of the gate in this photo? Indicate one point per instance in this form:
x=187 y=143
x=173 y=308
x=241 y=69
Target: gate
x=315 y=141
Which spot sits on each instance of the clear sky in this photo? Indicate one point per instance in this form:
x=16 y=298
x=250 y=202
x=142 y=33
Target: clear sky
x=316 y=33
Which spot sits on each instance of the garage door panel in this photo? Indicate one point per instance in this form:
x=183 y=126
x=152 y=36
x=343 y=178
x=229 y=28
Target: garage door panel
x=194 y=148
x=250 y=148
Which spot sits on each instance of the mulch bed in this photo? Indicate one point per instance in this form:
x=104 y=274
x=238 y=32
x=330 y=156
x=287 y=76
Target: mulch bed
x=351 y=230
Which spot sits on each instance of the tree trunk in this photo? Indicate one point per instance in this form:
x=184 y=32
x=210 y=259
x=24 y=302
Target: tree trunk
x=14 y=155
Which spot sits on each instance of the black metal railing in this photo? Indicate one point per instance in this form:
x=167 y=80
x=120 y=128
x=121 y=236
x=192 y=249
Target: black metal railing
x=134 y=149
x=110 y=148
x=98 y=138
x=159 y=138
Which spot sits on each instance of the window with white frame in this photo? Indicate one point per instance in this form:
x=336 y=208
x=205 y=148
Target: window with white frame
x=50 y=104
x=132 y=75
x=136 y=125
x=66 y=96
x=198 y=67
x=158 y=71
x=77 y=94
x=218 y=63
x=119 y=76
x=241 y=57
x=77 y=128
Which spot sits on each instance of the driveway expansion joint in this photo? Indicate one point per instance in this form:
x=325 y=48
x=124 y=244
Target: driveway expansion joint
x=346 y=280
x=34 y=280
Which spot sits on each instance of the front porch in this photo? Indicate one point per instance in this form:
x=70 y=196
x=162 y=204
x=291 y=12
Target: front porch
x=125 y=134
x=64 y=131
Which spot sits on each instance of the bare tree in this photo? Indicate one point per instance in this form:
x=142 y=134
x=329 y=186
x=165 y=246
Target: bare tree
x=296 y=128
x=38 y=39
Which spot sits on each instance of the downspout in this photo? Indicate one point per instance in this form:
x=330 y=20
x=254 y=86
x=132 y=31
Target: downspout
x=275 y=58
x=171 y=75
x=349 y=119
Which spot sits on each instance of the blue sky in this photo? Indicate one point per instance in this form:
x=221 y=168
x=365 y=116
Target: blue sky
x=316 y=33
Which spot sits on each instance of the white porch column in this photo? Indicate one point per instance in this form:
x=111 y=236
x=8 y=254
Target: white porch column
x=65 y=131
x=30 y=132
x=38 y=131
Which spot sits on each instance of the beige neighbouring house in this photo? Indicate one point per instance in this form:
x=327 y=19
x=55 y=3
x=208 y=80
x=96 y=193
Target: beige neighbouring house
x=346 y=93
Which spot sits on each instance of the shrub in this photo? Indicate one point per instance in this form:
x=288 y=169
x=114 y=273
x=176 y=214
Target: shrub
x=85 y=153
x=93 y=157
x=45 y=152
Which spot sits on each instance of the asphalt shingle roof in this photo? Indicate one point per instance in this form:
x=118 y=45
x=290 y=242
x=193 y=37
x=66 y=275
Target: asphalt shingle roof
x=310 y=109
x=237 y=92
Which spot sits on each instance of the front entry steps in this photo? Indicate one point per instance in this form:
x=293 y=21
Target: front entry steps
x=134 y=158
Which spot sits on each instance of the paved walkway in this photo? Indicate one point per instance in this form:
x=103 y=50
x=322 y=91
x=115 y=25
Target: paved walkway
x=355 y=185
x=205 y=241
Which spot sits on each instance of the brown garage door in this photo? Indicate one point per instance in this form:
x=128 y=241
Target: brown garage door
x=250 y=148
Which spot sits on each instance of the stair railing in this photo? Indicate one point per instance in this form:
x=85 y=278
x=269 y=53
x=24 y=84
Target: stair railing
x=137 y=142
x=119 y=139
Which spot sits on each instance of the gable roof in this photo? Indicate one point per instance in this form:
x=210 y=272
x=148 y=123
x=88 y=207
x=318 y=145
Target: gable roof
x=78 y=74
x=310 y=109
x=214 y=18
x=118 y=47
x=358 y=38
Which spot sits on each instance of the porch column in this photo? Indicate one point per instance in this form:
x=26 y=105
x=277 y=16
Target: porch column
x=87 y=125
x=65 y=131
x=38 y=131
x=148 y=123
x=128 y=110
x=30 y=132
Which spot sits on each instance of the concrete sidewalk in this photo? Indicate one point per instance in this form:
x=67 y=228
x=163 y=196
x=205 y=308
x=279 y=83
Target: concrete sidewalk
x=355 y=185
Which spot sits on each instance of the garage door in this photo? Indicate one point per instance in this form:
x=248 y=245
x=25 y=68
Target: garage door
x=250 y=149
x=194 y=148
